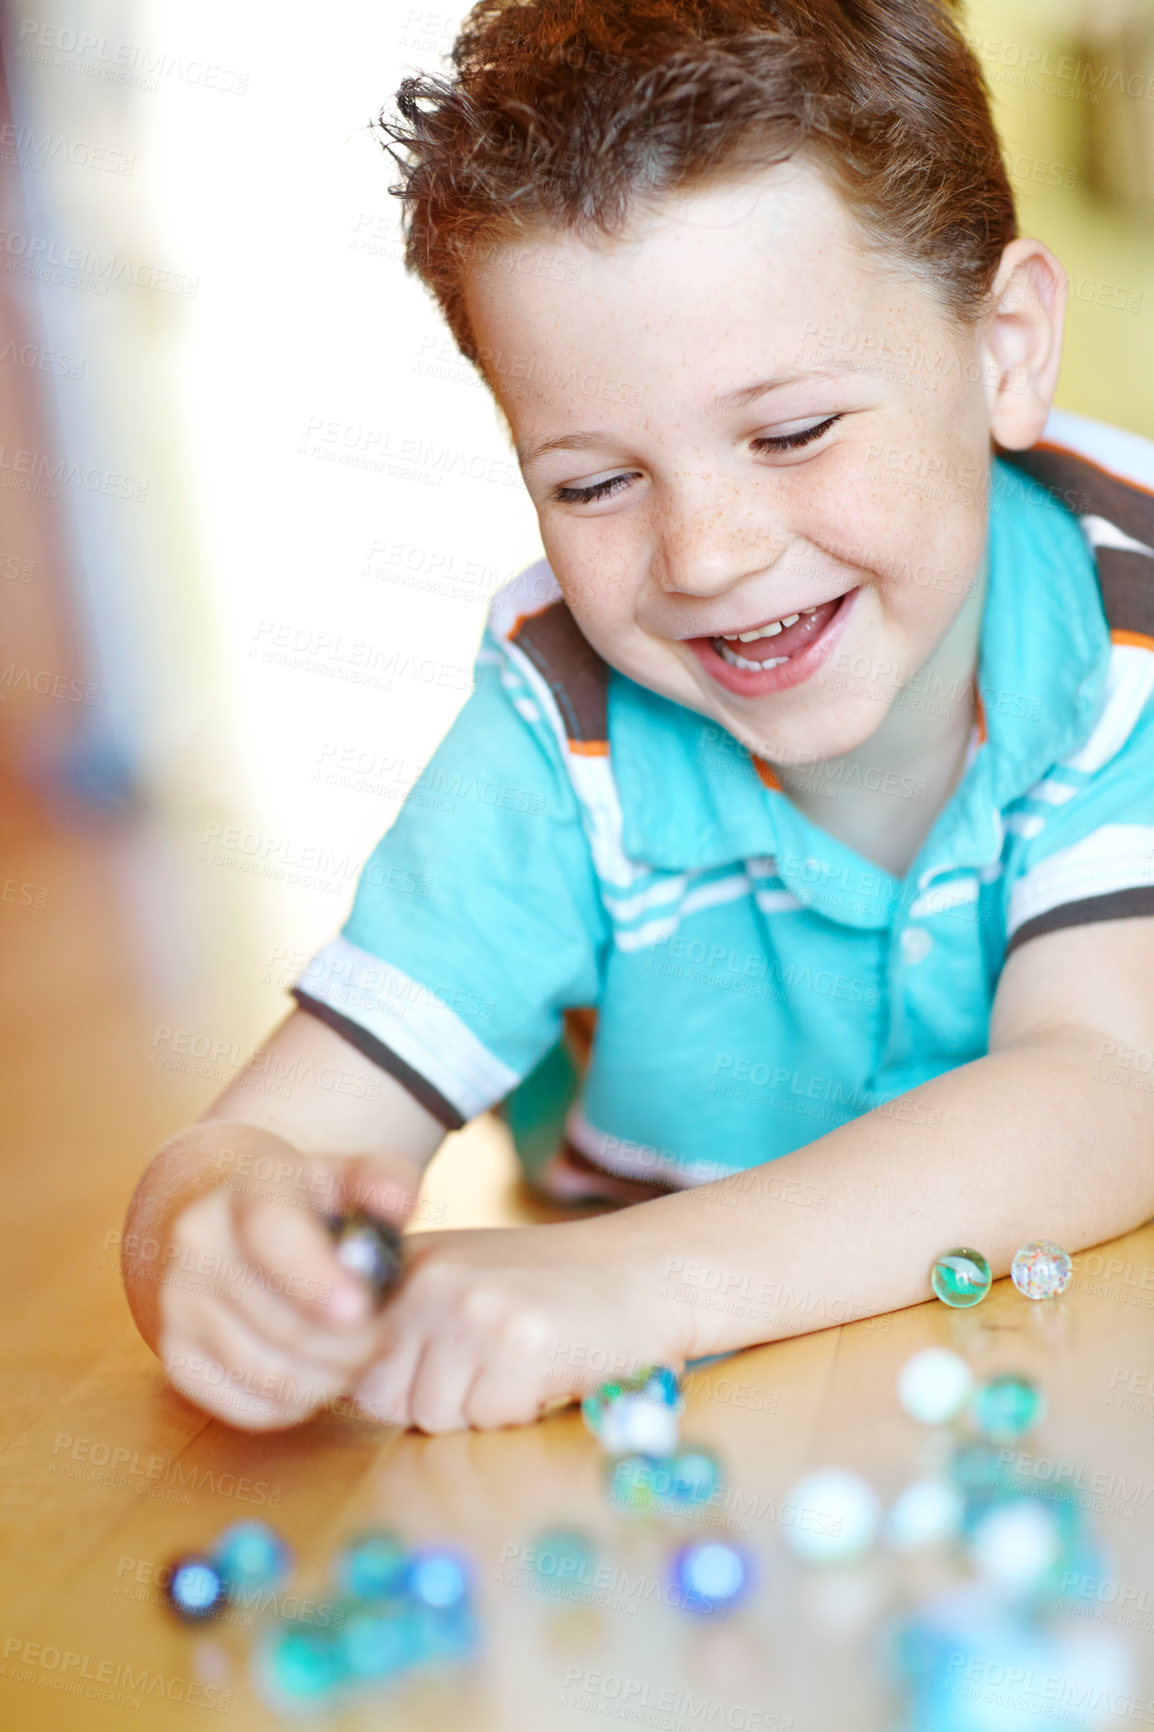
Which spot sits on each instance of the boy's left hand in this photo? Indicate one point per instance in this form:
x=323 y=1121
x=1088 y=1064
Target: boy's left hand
x=491 y=1325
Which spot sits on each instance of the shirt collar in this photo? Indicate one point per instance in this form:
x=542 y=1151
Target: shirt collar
x=693 y=800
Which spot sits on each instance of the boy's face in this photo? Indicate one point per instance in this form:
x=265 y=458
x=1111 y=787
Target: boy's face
x=679 y=507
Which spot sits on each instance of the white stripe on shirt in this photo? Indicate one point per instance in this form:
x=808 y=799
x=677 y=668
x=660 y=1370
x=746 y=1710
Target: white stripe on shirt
x=1129 y=683
x=406 y=1017
x=1113 y=857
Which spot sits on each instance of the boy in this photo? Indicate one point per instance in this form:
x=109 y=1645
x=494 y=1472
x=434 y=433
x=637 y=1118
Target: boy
x=814 y=788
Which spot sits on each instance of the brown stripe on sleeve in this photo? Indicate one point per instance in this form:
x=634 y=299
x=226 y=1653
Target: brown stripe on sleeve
x=1126 y=580
x=1118 y=905
x=384 y=1058
x=574 y=672
x=1086 y=490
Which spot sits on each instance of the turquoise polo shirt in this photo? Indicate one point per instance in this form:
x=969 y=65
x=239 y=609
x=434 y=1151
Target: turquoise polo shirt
x=578 y=842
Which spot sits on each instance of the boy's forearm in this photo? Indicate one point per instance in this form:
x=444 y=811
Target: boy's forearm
x=1024 y=1143
x=197 y=1160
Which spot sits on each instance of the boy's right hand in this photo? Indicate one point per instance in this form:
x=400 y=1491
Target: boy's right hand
x=259 y=1322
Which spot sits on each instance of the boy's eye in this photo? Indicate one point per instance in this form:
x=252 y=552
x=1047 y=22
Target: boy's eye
x=599 y=490
x=765 y=442
x=793 y=441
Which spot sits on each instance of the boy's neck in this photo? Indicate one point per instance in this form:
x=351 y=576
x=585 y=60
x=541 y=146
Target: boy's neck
x=882 y=798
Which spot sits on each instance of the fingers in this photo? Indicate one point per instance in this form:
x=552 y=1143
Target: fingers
x=230 y=1372
x=202 y=1380
x=512 y=1386
x=455 y=1355
x=383 y=1392
x=252 y=1336
x=296 y=1259
x=442 y=1379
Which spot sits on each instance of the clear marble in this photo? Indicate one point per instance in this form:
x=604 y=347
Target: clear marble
x=933 y=1385
x=835 y=1514
x=637 y=1415
x=1041 y=1270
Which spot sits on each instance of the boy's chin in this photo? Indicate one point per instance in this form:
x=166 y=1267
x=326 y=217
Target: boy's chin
x=813 y=740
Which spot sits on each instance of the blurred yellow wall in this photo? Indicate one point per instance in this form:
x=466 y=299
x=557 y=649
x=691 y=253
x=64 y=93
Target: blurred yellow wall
x=1072 y=83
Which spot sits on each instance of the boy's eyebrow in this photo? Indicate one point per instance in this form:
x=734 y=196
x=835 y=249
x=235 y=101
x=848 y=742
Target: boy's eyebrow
x=746 y=393
x=560 y=442
x=716 y=406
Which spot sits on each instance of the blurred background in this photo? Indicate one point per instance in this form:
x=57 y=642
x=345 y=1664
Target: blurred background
x=249 y=492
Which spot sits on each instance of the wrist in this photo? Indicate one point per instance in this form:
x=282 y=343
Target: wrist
x=649 y=1241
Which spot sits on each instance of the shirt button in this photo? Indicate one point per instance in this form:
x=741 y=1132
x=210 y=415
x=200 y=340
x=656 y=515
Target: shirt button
x=916 y=944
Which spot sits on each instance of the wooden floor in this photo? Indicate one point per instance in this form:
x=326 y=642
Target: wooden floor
x=107 y=1474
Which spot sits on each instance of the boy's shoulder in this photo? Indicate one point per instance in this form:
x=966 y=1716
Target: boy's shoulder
x=531 y=628
x=1104 y=477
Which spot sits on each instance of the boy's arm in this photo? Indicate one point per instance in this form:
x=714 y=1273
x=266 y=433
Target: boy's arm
x=1027 y=1142
x=223 y=1242
x=1044 y=1137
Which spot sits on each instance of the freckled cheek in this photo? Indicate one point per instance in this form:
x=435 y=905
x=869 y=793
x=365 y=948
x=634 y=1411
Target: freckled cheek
x=596 y=590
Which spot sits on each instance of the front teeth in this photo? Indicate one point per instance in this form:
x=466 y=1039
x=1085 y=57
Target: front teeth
x=736 y=661
x=770 y=630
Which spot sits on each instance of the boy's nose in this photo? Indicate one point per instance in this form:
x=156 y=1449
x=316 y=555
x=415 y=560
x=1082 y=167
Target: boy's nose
x=706 y=551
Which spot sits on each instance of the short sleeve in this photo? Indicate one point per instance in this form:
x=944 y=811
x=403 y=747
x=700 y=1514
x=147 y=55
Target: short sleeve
x=1086 y=849
x=477 y=919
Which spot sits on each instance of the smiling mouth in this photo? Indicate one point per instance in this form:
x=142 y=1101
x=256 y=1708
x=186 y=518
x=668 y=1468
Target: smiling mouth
x=758 y=647
x=760 y=659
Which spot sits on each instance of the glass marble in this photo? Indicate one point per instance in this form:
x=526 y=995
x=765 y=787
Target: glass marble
x=1007 y=1407
x=438 y=1579
x=978 y=1469
x=661 y=1383
x=694 y=1476
x=635 y=1425
x=1041 y=1270
x=835 y=1514
x=372 y=1566
x=378 y=1639
x=1016 y=1546
x=636 y=1414
x=298 y=1666
x=926 y=1512
x=195 y=1590
x=369 y=1248
x=448 y=1633
x=934 y=1384
x=961 y=1277
x=632 y=1481
x=563 y=1560
x=711 y=1576
x=252 y=1555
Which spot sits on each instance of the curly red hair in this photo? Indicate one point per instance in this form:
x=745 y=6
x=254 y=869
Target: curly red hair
x=573 y=115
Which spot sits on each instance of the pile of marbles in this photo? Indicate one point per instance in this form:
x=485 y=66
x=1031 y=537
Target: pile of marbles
x=993 y=1650
x=637 y=1423
x=398 y=1610
x=248 y=1556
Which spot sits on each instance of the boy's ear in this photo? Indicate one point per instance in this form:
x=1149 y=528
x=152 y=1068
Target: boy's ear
x=1022 y=342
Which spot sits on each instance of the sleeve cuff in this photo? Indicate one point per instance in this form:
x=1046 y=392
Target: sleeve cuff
x=379 y=1054
x=1118 y=905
